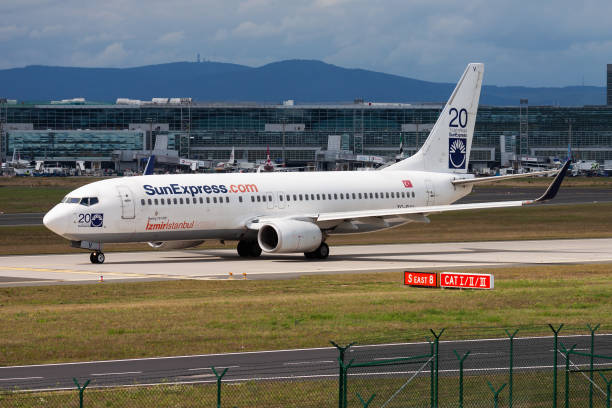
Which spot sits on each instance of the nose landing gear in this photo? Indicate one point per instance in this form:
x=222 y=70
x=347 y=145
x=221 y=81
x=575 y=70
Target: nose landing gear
x=96 y=257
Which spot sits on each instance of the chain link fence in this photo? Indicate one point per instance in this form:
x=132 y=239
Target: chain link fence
x=510 y=371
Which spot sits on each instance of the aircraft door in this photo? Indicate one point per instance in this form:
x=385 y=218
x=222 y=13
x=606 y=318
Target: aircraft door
x=128 y=209
x=280 y=198
x=430 y=193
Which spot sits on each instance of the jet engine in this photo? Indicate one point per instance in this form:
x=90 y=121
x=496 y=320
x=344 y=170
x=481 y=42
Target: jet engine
x=174 y=244
x=289 y=236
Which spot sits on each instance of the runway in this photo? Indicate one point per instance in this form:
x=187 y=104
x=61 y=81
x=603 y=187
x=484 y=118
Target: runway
x=218 y=264
x=486 y=356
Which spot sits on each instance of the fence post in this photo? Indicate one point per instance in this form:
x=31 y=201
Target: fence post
x=593 y=330
x=556 y=350
x=364 y=403
x=437 y=343
x=608 y=384
x=510 y=381
x=567 y=364
x=496 y=393
x=219 y=377
x=342 y=374
x=461 y=359
x=431 y=373
x=81 y=390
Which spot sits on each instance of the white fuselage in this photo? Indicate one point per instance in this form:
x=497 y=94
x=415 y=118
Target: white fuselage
x=219 y=206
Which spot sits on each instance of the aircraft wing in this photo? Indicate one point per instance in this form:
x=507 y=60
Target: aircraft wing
x=550 y=193
x=419 y=212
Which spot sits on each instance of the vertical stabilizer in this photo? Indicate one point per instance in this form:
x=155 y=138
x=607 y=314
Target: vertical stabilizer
x=447 y=149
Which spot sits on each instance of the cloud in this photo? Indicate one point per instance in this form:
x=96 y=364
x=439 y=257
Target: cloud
x=171 y=38
x=535 y=43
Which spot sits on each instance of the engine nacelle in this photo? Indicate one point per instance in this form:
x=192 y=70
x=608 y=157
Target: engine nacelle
x=174 y=244
x=289 y=236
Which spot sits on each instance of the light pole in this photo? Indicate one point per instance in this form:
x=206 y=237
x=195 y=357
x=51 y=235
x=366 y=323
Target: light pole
x=284 y=121
x=569 y=121
x=2 y=102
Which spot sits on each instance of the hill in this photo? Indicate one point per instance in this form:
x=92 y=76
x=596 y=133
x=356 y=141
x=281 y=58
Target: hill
x=302 y=80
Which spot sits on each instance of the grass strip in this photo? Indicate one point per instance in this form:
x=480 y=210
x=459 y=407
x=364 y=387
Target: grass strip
x=538 y=222
x=46 y=324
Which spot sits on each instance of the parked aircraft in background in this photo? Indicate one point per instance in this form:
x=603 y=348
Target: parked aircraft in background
x=289 y=211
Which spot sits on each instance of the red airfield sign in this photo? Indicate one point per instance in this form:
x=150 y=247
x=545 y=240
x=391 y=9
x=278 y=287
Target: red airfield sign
x=466 y=280
x=426 y=279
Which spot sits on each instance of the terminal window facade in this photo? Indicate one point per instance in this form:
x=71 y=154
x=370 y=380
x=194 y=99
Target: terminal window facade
x=208 y=131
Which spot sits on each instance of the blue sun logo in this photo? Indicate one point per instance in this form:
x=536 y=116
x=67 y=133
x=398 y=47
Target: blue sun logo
x=456 y=153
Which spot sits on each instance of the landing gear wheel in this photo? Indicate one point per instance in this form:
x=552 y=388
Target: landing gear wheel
x=254 y=250
x=97 y=257
x=243 y=249
x=322 y=252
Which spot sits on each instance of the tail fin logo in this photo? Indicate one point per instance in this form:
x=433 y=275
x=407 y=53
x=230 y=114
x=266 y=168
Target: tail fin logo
x=456 y=153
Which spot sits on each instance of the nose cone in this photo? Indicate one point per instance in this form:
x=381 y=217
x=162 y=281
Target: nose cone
x=55 y=221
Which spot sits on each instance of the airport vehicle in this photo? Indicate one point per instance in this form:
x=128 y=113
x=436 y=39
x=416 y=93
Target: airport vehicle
x=284 y=212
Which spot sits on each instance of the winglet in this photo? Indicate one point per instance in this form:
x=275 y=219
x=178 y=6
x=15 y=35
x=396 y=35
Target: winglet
x=552 y=190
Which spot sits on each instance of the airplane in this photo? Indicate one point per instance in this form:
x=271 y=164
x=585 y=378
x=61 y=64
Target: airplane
x=287 y=212
x=268 y=166
x=228 y=165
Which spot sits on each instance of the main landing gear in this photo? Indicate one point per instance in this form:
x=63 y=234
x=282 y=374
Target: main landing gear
x=248 y=249
x=322 y=252
x=96 y=257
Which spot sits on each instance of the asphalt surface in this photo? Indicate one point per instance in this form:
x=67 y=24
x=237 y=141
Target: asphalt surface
x=488 y=355
x=479 y=194
x=19 y=270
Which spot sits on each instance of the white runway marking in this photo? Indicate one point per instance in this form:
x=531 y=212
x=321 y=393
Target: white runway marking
x=124 y=373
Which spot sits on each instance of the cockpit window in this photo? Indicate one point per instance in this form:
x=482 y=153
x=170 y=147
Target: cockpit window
x=89 y=201
x=71 y=200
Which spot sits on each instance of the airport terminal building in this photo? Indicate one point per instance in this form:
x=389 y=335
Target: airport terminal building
x=326 y=136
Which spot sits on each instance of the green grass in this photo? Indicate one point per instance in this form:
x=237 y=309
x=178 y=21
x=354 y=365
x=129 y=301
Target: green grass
x=124 y=320
x=537 y=222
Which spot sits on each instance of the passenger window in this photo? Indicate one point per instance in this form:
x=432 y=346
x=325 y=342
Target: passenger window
x=386 y=195
x=294 y=197
x=227 y=199
x=215 y=200
x=359 y=195
x=258 y=199
x=288 y=197
x=240 y=198
x=371 y=196
x=207 y=200
x=306 y=197
x=301 y=198
x=201 y=200
x=335 y=196
x=413 y=194
x=175 y=201
x=312 y=197
x=252 y=199
x=168 y=202
x=155 y=201
x=375 y=195
x=181 y=200
x=149 y=201
x=318 y=196
x=263 y=198
x=341 y=196
x=392 y=194
x=187 y=201
x=354 y=196
x=323 y=196
x=162 y=201
x=280 y=197
x=142 y=202
x=269 y=198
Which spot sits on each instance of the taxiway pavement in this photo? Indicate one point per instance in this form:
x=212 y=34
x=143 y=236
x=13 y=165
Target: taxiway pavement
x=486 y=356
x=220 y=263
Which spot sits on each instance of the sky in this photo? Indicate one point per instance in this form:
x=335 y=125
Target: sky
x=525 y=43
